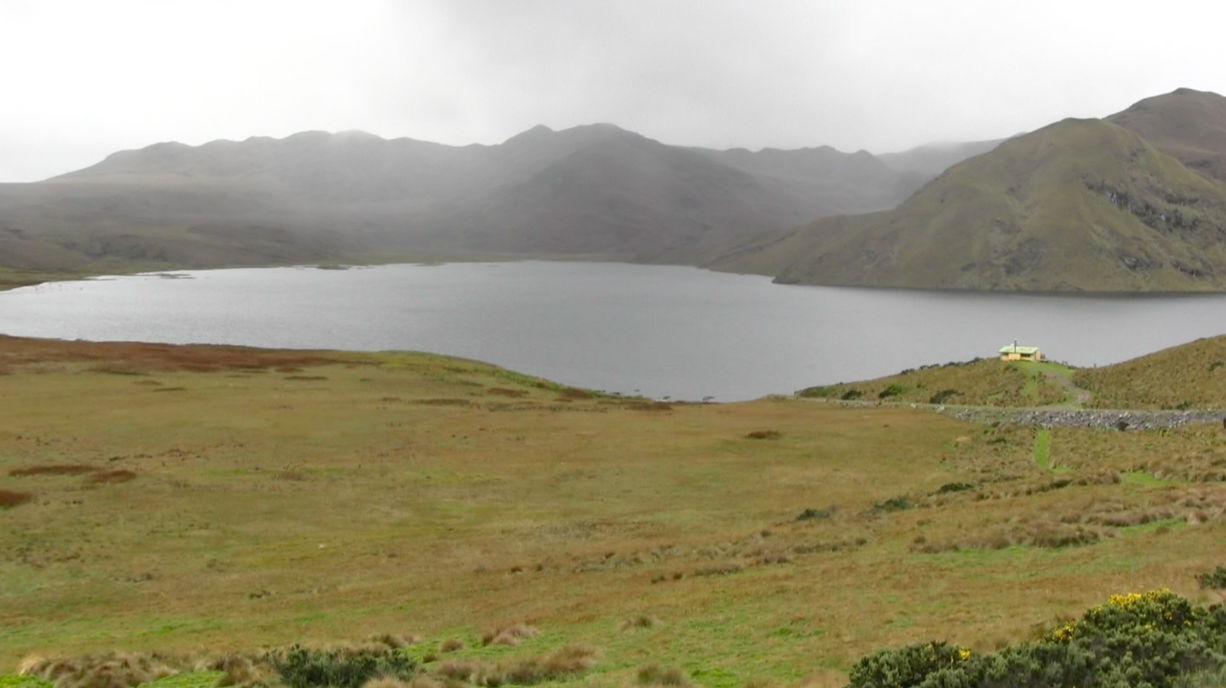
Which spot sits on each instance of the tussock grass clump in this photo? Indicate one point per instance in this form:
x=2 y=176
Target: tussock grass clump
x=1030 y=532
x=419 y=681
x=656 y=675
x=340 y=667
x=239 y=669
x=52 y=469
x=641 y=621
x=526 y=671
x=509 y=635
x=394 y=640
x=12 y=498
x=111 y=670
x=120 y=475
x=451 y=645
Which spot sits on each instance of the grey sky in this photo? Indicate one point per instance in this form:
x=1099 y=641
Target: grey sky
x=83 y=78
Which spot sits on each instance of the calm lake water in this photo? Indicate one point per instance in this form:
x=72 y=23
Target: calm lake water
x=659 y=331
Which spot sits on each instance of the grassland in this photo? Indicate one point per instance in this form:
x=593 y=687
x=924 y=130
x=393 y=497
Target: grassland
x=201 y=499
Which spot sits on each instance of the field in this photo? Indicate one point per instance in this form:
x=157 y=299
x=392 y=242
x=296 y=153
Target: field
x=205 y=499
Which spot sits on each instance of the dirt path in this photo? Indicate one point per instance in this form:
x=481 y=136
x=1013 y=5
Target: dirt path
x=1080 y=395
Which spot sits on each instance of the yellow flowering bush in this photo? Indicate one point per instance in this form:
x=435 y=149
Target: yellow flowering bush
x=1149 y=639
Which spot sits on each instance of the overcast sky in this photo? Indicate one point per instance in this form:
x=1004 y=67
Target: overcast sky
x=84 y=78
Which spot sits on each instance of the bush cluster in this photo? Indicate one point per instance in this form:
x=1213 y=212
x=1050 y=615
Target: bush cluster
x=1213 y=580
x=302 y=667
x=1154 y=640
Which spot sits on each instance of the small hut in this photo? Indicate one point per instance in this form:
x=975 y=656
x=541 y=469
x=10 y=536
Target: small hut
x=1014 y=352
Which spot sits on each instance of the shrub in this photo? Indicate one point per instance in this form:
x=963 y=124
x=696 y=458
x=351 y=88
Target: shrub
x=898 y=503
x=954 y=487
x=904 y=667
x=302 y=667
x=851 y=394
x=816 y=514
x=941 y=396
x=1213 y=580
x=764 y=435
x=822 y=392
x=1155 y=639
x=891 y=391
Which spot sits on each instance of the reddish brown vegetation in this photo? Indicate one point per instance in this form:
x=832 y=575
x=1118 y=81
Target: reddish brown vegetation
x=52 y=469
x=504 y=392
x=116 y=476
x=11 y=498
x=136 y=358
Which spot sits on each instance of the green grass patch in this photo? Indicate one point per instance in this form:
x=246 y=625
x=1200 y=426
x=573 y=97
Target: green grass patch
x=1042 y=449
x=1142 y=478
x=1155 y=525
x=15 y=681
x=191 y=679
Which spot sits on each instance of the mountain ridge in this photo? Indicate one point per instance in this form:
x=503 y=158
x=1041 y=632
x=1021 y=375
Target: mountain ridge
x=593 y=190
x=1079 y=205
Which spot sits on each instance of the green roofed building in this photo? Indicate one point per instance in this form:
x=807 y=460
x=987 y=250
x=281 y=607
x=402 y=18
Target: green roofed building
x=1013 y=352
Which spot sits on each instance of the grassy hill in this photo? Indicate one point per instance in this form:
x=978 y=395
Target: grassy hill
x=984 y=382
x=1187 y=376
x=1081 y=205
x=213 y=499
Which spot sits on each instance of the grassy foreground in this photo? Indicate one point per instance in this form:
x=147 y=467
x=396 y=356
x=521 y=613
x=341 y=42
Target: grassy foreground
x=217 y=498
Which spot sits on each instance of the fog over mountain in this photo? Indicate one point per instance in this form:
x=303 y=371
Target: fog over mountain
x=594 y=191
x=84 y=79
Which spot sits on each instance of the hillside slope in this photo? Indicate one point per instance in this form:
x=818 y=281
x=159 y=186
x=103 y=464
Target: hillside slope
x=590 y=191
x=1080 y=205
x=1191 y=375
x=983 y=382
x=1186 y=124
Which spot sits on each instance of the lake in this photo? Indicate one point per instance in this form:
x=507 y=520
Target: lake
x=659 y=331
